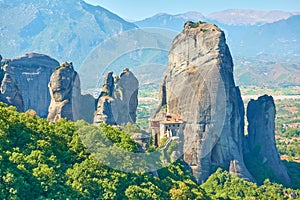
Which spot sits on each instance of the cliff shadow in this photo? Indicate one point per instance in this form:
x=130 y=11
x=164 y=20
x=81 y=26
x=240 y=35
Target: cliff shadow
x=293 y=169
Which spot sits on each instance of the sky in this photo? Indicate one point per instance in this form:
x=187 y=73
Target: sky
x=140 y=9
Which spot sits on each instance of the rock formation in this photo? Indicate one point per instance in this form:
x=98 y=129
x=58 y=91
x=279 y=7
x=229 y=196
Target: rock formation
x=261 y=135
x=103 y=111
x=199 y=86
x=24 y=82
x=118 y=102
x=10 y=93
x=125 y=98
x=66 y=99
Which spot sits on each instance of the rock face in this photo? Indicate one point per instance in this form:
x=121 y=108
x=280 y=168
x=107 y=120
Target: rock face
x=261 y=135
x=24 y=82
x=104 y=112
x=199 y=86
x=87 y=108
x=118 y=102
x=126 y=98
x=10 y=93
x=65 y=94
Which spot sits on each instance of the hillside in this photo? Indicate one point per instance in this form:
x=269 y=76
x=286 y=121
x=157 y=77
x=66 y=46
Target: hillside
x=40 y=160
x=264 y=73
x=65 y=30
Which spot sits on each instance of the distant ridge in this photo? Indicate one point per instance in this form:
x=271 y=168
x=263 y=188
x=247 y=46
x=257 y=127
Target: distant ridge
x=274 y=33
x=234 y=17
x=249 y=17
x=174 y=22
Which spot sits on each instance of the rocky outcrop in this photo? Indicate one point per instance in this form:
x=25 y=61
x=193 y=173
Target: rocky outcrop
x=103 y=111
x=125 y=98
x=65 y=93
x=199 y=86
x=10 y=93
x=118 y=102
x=260 y=140
x=24 y=82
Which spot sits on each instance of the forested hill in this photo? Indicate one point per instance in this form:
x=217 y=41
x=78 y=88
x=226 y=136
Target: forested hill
x=39 y=160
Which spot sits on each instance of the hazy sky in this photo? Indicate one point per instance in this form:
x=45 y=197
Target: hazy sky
x=140 y=9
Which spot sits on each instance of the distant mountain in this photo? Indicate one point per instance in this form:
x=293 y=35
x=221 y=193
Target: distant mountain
x=65 y=30
x=278 y=40
x=249 y=17
x=174 y=22
x=233 y=17
x=142 y=50
x=257 y=49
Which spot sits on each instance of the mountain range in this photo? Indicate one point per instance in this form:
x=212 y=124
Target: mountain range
x=249 y=32
x=249 y=17
x=72 y=30
x=233 y=17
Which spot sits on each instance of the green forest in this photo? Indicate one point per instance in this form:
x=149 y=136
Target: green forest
x=42 y=160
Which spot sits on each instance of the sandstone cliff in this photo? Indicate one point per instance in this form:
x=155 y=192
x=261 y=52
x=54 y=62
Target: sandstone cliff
x=118 y=102
x=261 y=135
x=24 y=82
x=199 y=86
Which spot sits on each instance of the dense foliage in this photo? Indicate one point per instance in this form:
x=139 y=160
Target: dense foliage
x=222 y=185
x=39 y=160
x=43 y=160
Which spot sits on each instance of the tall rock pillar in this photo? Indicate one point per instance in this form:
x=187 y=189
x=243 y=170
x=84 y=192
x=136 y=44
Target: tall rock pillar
x=65 y=94
x=261 y=135
x=199 y=86
x=118 y=100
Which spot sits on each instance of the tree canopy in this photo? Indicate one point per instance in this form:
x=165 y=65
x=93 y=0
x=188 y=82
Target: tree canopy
x=41 y=160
